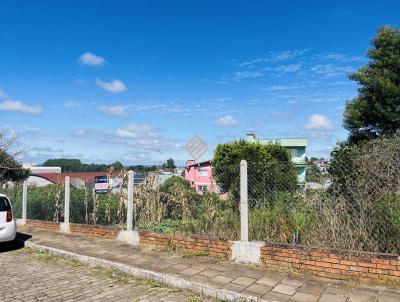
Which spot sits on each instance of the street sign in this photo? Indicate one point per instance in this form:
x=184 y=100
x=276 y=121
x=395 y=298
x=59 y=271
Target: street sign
x=101 y=184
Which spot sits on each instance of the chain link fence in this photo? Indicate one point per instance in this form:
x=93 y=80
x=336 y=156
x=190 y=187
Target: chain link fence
x=351 y=203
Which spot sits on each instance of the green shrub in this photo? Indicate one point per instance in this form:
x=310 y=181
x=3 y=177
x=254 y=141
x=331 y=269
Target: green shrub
x=15 y=195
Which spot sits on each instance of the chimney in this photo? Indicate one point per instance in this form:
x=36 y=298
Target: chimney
x=190 y=162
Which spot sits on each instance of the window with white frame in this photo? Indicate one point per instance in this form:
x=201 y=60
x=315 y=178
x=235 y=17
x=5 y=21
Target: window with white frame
x=202 y=188
x=202 y=172
x=293 y=153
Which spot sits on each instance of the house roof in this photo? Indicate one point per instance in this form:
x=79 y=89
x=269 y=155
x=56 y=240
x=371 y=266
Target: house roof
x=60 y=177
x=202 y=163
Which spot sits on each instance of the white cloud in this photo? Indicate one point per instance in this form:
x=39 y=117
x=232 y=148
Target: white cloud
x=135 y=131
x=240 y=75
x=282 y=87
x=47 y=149
x=115 y=86
x=142 y=137
x=226 y=120
x=286 y=54
x=117 y=110
x=91 y=59
x=18 y=106
x=343 y=58
x=288 y=68
x=72 y=104
x=331 y=70
x=319 y=122
x=3 y=95
x=253 y=62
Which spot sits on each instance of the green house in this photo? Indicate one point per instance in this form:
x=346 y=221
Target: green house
x=296 y=147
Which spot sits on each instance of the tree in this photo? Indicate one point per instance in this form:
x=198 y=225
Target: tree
x=169 y=165
x=10 y=168
x=313 y=173
x=143 y=168
x=375 y=112
x=117 y=166
x=75 y=165
x=364 y=191
x=270 y=170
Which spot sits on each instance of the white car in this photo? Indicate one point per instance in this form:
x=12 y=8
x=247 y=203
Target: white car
x=8 y=227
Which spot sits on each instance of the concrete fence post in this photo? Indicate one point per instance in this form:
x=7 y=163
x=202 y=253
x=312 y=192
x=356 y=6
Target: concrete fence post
x=64 y=227
x=22 y=221
x=245 y=251
x=129 y=215
x=244 y=206
x=129 y=236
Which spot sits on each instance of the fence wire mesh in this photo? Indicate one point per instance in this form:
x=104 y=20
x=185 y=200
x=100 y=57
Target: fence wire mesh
x=353 y=204
x=171 y=204
x=349 y=203
x=14 y=193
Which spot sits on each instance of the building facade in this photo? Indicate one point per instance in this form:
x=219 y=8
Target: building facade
x=200 y=175
x=295 y=146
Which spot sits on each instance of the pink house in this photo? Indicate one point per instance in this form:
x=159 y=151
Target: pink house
x=200 y=176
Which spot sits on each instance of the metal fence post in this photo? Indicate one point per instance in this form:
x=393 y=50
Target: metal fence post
x=129 y=216
x=244 y=207
x=24 y=200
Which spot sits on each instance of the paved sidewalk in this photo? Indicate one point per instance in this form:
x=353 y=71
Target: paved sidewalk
x=256 y=281
x=27 y=276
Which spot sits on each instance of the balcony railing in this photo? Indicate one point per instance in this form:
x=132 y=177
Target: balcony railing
x=299 y=160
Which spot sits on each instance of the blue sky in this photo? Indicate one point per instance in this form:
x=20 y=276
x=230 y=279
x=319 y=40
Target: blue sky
x=134 y=81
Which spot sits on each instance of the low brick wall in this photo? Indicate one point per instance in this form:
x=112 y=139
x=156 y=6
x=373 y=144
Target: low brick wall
x=97 y=231
x=76 y=228
x=41 y=224
x=361 y=266
x=191 y=245
x=327 y=263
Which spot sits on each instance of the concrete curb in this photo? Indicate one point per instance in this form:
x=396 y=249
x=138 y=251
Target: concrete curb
x=209 y=291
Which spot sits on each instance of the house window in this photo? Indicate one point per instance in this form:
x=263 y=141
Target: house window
x=293 y=153
x=202 y=172
x=202 y=189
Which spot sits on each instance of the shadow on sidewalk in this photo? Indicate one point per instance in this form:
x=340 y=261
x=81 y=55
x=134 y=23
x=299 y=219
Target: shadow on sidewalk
x=16 y=244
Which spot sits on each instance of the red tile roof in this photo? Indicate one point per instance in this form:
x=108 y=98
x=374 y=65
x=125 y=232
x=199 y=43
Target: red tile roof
x=60 y=177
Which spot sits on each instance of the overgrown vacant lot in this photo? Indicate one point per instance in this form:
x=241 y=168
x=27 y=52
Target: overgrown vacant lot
x=34 y=276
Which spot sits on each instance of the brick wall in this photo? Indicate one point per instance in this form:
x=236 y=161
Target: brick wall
x=40 y=224
x=362 y=266
x=76 y=228
x=97 y=231
x=192 y=245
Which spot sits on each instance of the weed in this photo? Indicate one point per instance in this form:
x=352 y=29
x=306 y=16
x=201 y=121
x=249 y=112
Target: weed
x=154 y=283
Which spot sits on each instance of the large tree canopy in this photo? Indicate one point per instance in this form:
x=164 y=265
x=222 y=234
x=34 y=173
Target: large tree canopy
x=10 y=169
x=375 y=111
x=270 y=170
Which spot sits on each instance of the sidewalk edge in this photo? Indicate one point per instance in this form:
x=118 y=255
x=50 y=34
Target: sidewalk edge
x=209 y=291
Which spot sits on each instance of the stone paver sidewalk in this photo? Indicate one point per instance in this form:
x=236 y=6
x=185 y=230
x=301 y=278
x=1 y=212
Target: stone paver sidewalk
x=256 y=281
x=29 y=277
